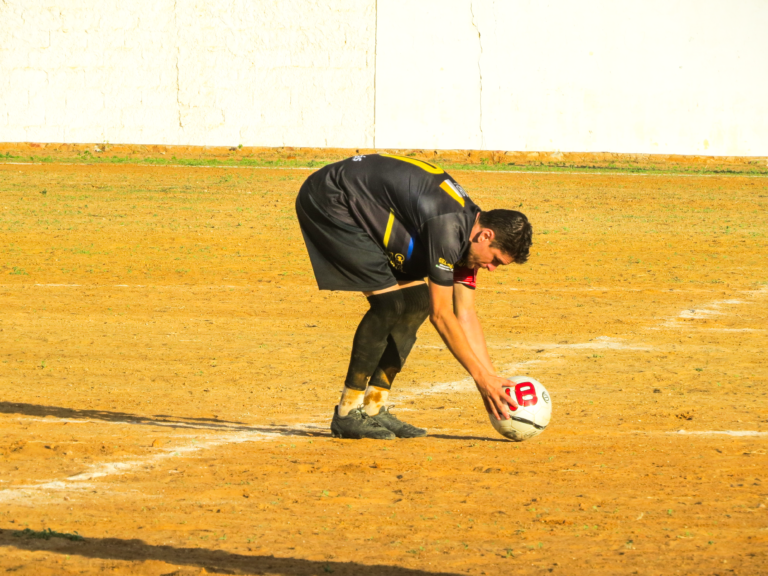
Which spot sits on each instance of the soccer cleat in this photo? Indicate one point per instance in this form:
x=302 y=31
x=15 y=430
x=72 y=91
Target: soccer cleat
x=357 y=424
x=401 y=429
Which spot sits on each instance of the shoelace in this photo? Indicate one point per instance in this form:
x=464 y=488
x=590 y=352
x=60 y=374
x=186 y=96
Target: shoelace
x=365 y=416
x=388 y=408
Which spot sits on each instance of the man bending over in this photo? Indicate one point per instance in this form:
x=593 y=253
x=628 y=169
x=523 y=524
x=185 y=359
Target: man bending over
x=379 y=224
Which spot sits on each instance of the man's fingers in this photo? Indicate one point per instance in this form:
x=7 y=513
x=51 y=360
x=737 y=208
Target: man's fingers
x=505 y=400
x=490 y=406
x=502 y=408
x=503 y=393
x=509 y=401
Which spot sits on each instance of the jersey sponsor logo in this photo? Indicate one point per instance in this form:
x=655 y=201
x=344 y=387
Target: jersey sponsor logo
x=442 y=264
x=396 y=260
x=426 y=166
x=358 y=158
x=454 y=191
x=460 y=189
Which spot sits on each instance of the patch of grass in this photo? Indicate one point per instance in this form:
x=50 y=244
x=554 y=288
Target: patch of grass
x=88 y=158
x=46 y=534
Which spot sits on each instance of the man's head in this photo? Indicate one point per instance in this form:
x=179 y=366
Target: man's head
x=499 y=237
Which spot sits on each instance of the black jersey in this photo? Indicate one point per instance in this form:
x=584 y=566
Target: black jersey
x=417 y=213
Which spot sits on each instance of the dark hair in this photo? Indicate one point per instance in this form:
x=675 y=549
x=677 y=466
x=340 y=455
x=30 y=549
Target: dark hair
x=513 y=232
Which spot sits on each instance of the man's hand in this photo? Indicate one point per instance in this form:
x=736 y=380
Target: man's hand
x=466 y=351
x=494 y=397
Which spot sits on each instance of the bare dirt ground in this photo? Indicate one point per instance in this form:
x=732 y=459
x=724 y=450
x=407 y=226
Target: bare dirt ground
x=169 y=368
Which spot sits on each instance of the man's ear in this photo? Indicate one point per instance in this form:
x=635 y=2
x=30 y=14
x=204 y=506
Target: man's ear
x=486 y=234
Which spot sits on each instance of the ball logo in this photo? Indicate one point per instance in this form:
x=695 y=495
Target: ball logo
x=545 y=396
x=525 y=392
x=511 y=408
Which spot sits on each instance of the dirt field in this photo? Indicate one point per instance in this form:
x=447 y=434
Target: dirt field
x=169 y=368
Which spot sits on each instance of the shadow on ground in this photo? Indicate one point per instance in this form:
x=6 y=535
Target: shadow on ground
x=475 y=438
x=217 y=561
x=156 y=420
x=190 y=423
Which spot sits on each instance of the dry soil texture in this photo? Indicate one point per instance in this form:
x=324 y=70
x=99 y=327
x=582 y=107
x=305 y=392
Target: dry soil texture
x=169 y=368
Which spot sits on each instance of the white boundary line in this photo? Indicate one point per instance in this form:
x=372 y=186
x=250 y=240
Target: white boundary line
x=726 y=432
x=518 y=368
x=710 y=310
x=80 y=481
x=599 y=343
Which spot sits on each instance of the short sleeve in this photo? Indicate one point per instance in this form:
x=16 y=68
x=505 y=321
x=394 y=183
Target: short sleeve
x=465 y=276
x=443 y=240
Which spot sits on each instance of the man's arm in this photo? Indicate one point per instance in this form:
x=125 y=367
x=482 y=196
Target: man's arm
x=464 y=308
x=450 y=329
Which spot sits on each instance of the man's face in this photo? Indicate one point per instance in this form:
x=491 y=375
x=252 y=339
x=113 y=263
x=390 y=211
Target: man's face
x=481 y=255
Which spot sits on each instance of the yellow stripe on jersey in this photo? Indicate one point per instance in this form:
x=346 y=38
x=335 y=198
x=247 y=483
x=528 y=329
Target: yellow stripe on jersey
x=432 y=169
x=390 y=222
x=452 y=192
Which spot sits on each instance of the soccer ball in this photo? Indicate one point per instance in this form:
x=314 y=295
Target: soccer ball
x=531 y=416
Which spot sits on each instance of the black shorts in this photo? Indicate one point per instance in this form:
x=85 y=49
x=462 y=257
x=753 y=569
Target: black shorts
x=343 y=257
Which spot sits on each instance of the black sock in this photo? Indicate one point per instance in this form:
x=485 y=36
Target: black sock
x=402 y=336
x=371 y=337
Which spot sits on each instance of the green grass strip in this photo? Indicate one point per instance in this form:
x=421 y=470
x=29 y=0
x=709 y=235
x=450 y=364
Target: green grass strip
x=93 y=159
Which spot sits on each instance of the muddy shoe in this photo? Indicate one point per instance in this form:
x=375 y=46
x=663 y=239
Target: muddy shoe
x=402 y=430
x=357 y=424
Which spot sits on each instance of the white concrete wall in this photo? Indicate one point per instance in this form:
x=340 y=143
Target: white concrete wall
x=651 y=76
x=683 y=77
x=217 y=72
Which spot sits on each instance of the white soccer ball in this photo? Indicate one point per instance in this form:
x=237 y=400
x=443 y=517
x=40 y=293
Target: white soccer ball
x=531 y=416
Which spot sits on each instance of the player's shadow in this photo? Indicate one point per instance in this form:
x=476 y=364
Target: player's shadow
x=163 y=420
x=217 y=561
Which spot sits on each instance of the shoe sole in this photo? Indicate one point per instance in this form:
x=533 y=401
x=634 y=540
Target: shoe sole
x=335 y=435
x=415 y=435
